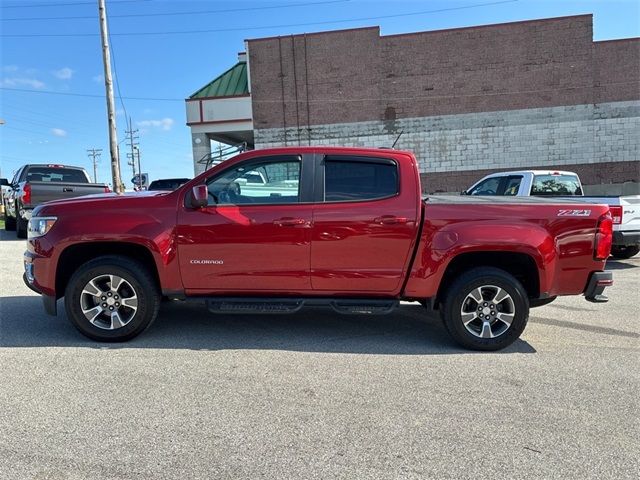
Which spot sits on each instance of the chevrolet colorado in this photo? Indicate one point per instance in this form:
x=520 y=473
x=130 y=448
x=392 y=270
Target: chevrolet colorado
x=344 y=228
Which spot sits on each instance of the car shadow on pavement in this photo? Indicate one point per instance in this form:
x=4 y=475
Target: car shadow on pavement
x=619 y=265
x=411 y=330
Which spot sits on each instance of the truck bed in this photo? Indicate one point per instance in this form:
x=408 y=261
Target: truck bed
x=499 y=200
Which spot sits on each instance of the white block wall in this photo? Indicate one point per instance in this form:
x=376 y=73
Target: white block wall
x=593 y=133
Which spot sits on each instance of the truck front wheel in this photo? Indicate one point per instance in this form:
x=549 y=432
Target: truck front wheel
x=21 y=226
x=112 y=299
x=485 y=309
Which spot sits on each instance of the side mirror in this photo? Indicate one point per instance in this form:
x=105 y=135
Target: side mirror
x=199 y=196
x=4 y=182
x=464 y=192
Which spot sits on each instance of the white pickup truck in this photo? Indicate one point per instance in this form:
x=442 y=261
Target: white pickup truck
x=554 y=183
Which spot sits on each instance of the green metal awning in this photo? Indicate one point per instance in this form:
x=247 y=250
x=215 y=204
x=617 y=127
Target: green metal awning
x=230 y=83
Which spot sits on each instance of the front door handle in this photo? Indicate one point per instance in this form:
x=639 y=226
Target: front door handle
x=390 y=220
x=290 y=222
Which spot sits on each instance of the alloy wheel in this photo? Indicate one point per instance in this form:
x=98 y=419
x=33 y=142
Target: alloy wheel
x=109 y=302
x=487 y=311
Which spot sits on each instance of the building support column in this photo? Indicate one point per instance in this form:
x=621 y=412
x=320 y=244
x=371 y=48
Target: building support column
x=201 y=146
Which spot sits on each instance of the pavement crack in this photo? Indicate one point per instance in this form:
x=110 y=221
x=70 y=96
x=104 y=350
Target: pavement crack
x=532 y=449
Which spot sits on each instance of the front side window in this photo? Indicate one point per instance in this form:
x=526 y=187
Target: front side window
x=261 y=182
x=360 y=180
x=486 y=187
x=556 y=185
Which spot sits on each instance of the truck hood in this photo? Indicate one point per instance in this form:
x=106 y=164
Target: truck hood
x=107 y=197
x=101 y=201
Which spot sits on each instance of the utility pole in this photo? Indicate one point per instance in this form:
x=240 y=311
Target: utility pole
x=94 y=153
x=131 y=134
x=111 y=109
x=139 y=167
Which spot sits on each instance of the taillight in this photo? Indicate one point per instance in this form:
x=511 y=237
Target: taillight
x=604 y=237
x=26 y=194
x=616 y=214
x=107 y=189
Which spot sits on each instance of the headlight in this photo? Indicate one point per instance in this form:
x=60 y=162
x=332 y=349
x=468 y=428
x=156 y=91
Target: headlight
x=39 y=226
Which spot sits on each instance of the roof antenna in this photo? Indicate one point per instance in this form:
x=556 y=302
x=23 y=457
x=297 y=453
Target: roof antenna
x=398 y=138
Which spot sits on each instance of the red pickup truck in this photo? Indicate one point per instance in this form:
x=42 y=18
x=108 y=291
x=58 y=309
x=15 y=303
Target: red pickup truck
x=340 y=227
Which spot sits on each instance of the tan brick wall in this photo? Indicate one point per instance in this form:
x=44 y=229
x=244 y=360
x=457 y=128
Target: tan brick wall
x=358 y=75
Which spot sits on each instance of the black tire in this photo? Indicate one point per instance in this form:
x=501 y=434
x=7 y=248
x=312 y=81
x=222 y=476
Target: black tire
x=540 y=302
x=623 y=252
x=9 y=222
x=21 y=227
x=457 y=298
x=142 y=285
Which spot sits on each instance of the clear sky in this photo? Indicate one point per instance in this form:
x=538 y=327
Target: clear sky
x=157 y=71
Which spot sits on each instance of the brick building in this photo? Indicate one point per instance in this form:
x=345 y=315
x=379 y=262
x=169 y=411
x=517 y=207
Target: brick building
x=468 y=101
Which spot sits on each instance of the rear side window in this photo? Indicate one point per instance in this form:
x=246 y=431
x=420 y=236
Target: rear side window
x=53 y=174
x=358 y=180
x=512 y=185
x=556 y=185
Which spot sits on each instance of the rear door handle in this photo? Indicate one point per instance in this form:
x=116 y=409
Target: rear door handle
x=290 y=222
x=390 y=220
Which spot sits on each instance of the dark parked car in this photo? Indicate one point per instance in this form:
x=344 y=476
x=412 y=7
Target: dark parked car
x=169 y=184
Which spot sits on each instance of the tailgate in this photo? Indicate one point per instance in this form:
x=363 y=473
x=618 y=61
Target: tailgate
x=630 y=214
x=46 y=191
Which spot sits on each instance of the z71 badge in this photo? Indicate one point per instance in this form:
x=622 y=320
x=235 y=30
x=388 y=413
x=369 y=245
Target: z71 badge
x=574 y=213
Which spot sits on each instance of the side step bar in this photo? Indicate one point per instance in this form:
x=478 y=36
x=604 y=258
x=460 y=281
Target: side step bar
x=258 y=305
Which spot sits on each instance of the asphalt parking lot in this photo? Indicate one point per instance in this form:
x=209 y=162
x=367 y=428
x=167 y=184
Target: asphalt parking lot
x=317 y=395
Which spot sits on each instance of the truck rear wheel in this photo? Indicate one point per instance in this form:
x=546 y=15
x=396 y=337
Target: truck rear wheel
x=112 y=299
x=624 y=252
x=485 y=309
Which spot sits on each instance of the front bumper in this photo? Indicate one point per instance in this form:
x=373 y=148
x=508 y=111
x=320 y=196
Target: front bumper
x=626 y=239
x=48 y=302
x=597 y=283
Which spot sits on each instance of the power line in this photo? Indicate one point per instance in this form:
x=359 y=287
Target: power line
x=29 y=5
x=115 y=74
x=88 y=95
x=197 y=12
x=240 y=29
x=347 y=100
